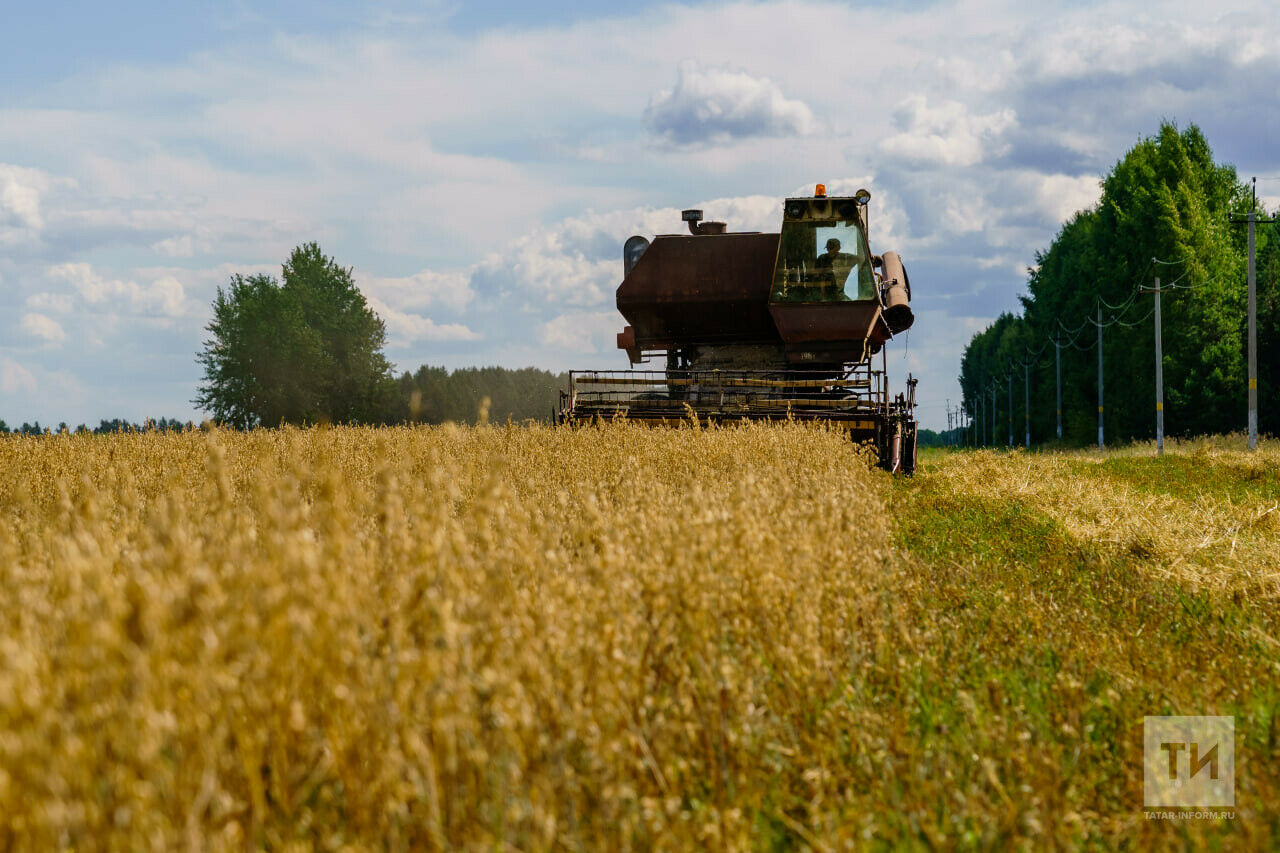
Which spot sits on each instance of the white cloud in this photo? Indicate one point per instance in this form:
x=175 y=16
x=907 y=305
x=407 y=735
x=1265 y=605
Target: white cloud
x=164 y=296
x=404 y=328
x=183 y=246
x=947 y=134
x=59 y=303
x=14 y=377
x=20 y=190
x=716 y=105
x=449 y=289
x=44 y=328
x=1060 y=196
x=582 y=332
x=547 y=268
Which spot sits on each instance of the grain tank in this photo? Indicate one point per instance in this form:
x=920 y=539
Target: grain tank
x=751 y=325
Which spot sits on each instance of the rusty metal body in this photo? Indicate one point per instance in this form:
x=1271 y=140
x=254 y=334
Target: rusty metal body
x=760 y=326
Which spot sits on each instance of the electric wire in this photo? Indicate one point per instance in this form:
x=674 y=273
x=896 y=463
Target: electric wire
x=1072 y=331
x=1138 y=322
x=1123 y=305
x=1116 y=318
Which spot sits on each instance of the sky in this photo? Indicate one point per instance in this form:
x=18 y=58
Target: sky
x=479 y=165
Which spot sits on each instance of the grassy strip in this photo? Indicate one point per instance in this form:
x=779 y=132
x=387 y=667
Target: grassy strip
x=1041 y=651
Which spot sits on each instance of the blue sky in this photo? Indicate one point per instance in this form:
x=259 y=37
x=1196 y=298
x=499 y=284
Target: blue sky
x=480 y=164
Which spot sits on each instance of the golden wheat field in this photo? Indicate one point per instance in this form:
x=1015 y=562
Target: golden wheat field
x=616 y=637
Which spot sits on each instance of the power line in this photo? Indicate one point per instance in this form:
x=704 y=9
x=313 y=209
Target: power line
x=1123 y=305
x=1072 y=332
x=1137 y=322
x=1032 y=357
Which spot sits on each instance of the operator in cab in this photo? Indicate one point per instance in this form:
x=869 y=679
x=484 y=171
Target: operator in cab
x=834 y=257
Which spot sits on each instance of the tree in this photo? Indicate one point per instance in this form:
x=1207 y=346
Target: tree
x=1165 y=199
x=303 y=350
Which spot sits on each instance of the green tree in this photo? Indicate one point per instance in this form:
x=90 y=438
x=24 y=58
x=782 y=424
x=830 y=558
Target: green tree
x=303 y=350
x=1166 y=199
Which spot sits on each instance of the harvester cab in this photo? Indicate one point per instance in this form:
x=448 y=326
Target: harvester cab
x=762 y=325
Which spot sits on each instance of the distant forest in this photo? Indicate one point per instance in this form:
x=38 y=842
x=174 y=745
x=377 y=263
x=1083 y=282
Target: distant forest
x=1164 y=212
x=431 y=395
x=434 y=395
x=103 y=427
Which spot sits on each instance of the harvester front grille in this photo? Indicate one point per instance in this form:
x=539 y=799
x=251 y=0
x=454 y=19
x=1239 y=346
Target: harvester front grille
x=717 y=395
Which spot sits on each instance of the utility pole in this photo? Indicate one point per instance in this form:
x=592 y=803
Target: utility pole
x=980 y=427
x=1057 y=358
x=1009 y=376
x=1253 y=219
x=1159 y=378
x=1099 y=375
x=1253 y=333
x=950 y=438
x=993 y=411
x=1026 y=397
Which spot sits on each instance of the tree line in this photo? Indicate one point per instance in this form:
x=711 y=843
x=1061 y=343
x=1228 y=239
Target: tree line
x=104 y=427
x=306 y=348
x=1163 y=212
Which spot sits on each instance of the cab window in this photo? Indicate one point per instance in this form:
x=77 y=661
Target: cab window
x=822 y=262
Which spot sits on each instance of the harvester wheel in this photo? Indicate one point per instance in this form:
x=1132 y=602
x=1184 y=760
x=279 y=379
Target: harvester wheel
x=908 y=465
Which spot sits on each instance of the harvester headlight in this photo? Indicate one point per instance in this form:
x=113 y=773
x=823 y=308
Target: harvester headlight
x=631 y=252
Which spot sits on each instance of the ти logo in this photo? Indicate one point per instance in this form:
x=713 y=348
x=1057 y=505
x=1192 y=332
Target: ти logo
x=1189 y=762
x=1197 y=764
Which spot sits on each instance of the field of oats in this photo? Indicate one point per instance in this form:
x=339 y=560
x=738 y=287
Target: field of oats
x=621 y=638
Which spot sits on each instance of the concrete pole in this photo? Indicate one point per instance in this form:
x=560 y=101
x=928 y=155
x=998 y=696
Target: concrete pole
x=1159 y=378
x=1057 y=359
x=1253 y=339
x=1010 y=378
x=993 y=412
x=1026 y=399
x=1100 y=443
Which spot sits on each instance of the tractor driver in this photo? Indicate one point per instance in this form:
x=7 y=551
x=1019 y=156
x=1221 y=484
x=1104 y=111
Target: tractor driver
x=840 y=263
x=836 y=258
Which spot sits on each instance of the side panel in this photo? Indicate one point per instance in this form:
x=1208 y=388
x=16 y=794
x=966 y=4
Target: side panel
x=709 y=289
x=831 y=331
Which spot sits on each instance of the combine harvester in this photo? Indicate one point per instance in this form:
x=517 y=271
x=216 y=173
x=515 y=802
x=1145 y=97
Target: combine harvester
x=761 y=326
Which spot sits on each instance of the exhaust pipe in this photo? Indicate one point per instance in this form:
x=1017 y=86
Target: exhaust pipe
x=896 y=289
x=697 y=227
